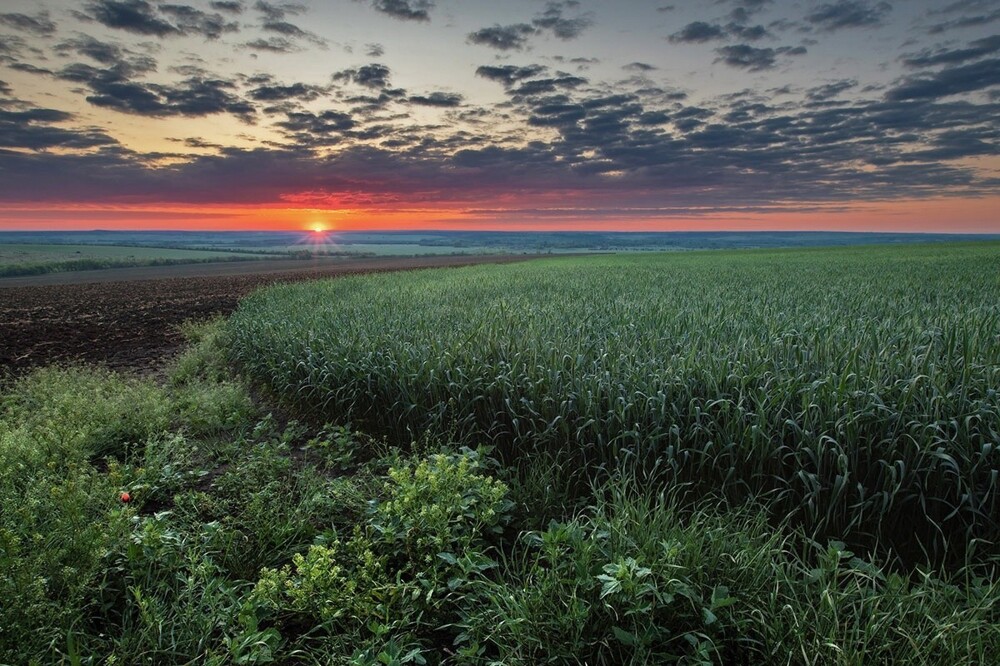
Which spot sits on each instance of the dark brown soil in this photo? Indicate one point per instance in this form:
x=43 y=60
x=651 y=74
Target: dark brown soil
x=130 y=320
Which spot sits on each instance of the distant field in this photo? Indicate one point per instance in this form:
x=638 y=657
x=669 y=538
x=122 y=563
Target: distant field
x=34 y=259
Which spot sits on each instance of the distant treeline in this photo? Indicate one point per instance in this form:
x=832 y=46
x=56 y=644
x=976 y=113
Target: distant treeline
x=19 y=270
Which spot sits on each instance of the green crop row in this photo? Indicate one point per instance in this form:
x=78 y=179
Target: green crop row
x=852 y=391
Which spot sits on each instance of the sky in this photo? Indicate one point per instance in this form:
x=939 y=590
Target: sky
x=858 y=115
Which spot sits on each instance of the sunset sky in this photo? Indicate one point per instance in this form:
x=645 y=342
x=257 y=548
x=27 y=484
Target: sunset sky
x=520 y=114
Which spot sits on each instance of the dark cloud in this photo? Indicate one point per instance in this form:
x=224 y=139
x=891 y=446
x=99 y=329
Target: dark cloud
x=374 y=75
x=830 y=90
x=563 y=27
x=136 y=16
x=508 y=74
x=514 y=37
x=973 y=21
x=988 y=13
x=230 y=6
x=374 y=50
x=752 y=6
x=277 y=93
x=439 y=99
x=272 y=45
x=544 y=86
x=408 y=10
x=157 y=20
x=976 y=49
x=197 y=142
x=273 y=20
x=748 y=32
x=28 y=68
x=290 y=31
x=638 y=67
x=194 y=21
x=754 y=59
x=503 y=37
x=125 y=62
x=112 y=88
x=952 y=81
x=40 y=24
x=277 y=11
x=849 y=14
x=698 y=32
x=962 y=5
x=29 y=127
x=318 y=124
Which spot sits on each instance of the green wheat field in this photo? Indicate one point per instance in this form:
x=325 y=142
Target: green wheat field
x=722 y=457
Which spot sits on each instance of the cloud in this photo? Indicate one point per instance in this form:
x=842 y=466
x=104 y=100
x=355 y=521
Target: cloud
x=307 y=125
x=830 y=90
x=543 y=86
x=976 y=49
x=159 y=20
x=272 y=45
x=290 y=31
x=194 y=21
x=744 y=56
x=136 y=16
x=375 y=75
x=28 y=127
x=514 y=37
x=40 y=24
x=508 y=74
x=973 y=21
x=112 y=88
x=271 y=92
x=614 y=146
x=438 y=99
x=848 y=14
x=127 y=63
x=503 y=37
x=273 y=21
x=230 y=6
x=698 y=32
x=277 y=11
x=374 y=50
x=552 y=18
x=407 y=10
x=750 y=33
x=947 y=82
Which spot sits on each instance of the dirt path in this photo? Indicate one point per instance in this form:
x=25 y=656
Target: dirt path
x=128 y=318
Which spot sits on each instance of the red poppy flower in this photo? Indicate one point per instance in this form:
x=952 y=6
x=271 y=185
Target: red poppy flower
x=126 y=497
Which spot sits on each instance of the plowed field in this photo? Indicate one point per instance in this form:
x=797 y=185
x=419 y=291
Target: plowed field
x=129 y=318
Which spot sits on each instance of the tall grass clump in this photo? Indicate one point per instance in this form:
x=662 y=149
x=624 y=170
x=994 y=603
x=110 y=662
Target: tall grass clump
x=854 y=391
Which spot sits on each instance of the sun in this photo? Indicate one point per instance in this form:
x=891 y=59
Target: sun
x=318 y=228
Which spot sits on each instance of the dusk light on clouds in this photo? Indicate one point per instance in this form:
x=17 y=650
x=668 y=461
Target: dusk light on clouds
x=523 y=114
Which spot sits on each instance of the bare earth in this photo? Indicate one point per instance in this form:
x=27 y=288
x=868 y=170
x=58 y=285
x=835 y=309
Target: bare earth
x=127 y=318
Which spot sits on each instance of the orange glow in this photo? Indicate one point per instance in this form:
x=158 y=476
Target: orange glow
x=927 y=215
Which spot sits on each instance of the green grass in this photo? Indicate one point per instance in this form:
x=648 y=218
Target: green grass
x=853 y=390
x=396 y=538
x=267 y=545
x=25 y=259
